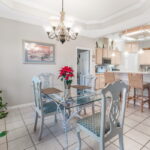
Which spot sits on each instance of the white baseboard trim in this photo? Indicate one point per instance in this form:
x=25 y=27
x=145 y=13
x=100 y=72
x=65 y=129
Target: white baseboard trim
x=20 y=106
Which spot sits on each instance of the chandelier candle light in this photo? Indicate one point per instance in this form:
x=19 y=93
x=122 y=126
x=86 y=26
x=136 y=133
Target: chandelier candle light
x=61 y=32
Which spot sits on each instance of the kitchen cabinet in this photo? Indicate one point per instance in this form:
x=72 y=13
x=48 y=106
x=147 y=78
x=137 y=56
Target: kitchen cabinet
x=100 y=81
x=107 y=53
x=144 y=59
x=116 y=60
x=99 y=54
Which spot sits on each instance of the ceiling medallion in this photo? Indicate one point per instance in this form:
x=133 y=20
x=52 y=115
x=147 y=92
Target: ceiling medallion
x=61 y=32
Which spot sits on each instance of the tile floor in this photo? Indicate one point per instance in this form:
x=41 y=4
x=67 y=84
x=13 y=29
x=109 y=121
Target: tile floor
x=19 y=125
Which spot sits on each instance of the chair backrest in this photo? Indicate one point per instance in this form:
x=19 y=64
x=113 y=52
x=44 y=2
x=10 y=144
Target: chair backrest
x=109 y=77
x=37 y=92
x=135 y=80
x=47 y=80
x=115 y=113
x=90 y=80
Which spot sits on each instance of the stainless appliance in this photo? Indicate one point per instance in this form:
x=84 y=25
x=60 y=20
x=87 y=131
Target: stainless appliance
x=106 y=61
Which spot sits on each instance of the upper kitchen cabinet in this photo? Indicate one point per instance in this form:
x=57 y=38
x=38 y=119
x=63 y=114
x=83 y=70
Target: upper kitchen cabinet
x=99 y=55
x=107 y=53
x=144 y=59
x=116 y=59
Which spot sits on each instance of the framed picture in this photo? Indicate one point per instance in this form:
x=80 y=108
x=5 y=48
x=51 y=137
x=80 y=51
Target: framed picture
x=38 y=53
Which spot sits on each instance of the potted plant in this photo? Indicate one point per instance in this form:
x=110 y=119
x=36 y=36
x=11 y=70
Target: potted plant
x=3 y=113
x=66 y=74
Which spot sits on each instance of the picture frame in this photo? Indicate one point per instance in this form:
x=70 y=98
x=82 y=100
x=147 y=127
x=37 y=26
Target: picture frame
x=38 y=52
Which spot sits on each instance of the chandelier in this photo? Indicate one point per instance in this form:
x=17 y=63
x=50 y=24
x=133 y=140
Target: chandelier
x=61 y=32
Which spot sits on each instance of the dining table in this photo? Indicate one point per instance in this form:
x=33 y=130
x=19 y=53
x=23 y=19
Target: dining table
x=69 y=106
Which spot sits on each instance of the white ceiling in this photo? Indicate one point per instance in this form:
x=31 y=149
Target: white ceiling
x=95 y=17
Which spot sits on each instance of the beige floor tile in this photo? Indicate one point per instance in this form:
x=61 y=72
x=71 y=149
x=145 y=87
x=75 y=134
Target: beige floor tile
x=137 y=118
x=93 y=143
x=13 y=118
x=72 y=138
x=14 y=125
x=3 y=146
x=13 y=112
x=26 y=110
x=57 y=130
x=29 y=120
x=144 y=129
x=20 y=144
x=30 y=114
x=142 y=114
x=83 y=134
x=111 y=147
x=146 y=122
x=138 y=137
x=2 y=127
x=84 y=146
x=46 y=136
x=144 y=148
x=16 y=133
x=126 y=128
x=130 y=123
x=2 y=122
x=31 y=148
x=2 y=140
x=129 y=144
x=50 y=145
x=148 y=145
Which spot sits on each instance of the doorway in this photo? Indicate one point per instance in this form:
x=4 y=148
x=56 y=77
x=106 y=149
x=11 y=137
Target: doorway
x=83 y=64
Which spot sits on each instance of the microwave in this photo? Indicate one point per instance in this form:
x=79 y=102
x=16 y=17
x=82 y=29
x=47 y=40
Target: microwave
x=106 y=61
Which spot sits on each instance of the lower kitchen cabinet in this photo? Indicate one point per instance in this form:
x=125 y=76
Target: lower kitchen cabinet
x=100 y=81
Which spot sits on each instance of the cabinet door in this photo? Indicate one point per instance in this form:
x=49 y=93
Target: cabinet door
x=144 y=59
x=99 y=56
x=102 y=81
x=116 y=60
x=105 y=53
x=109 y=53
x=97 y=82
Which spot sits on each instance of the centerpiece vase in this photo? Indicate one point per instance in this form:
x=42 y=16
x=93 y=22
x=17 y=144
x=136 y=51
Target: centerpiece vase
x=67 y=88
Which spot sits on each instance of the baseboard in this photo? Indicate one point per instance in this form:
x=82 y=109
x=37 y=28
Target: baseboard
x=20 y=106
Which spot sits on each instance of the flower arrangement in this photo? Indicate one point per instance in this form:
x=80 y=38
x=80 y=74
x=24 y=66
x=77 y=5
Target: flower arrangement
x=3 y=113
x=66 y=74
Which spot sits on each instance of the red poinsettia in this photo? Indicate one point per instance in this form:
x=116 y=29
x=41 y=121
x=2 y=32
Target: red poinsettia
x=66 y=73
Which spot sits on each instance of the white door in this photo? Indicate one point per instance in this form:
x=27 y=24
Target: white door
x=83 y=66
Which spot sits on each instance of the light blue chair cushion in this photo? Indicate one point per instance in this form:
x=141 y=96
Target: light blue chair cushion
x=92 y=123
x=50 y=107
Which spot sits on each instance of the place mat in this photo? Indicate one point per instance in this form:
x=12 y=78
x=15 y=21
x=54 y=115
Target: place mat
x=51 y=91
x=81 y=87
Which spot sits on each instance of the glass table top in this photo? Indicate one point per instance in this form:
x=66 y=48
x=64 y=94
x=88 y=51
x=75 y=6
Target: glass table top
x=76 y=98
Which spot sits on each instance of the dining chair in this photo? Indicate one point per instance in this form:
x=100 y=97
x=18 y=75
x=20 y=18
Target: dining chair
x=47 y=80
x=88 y=81
x=109 y=122
x=43 y=109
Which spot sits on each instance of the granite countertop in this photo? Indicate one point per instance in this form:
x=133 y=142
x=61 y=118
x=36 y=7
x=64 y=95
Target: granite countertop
x=124 y=72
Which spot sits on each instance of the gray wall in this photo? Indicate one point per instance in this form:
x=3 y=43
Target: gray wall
x=15 y=77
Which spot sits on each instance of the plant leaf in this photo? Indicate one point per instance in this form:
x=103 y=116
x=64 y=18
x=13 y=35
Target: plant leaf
x=3 y=133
